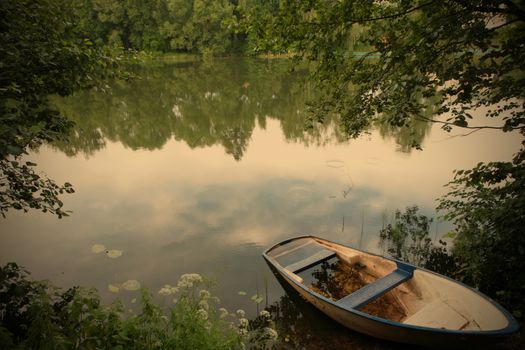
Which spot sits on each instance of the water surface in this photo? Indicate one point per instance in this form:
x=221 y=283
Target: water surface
x=198 y=167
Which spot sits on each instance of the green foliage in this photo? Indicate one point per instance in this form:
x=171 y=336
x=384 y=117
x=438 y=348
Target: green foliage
x=462 y=55
x=408 y=239
x=35 y=315
x=487 y=205
x=43 y=51
x=161 y=25
x=203 y=30
x=24 y=189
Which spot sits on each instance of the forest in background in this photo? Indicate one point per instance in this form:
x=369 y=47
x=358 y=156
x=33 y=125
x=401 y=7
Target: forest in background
x=184 y=26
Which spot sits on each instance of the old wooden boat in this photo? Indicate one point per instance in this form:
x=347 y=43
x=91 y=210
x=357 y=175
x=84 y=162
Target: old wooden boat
x=386 y=298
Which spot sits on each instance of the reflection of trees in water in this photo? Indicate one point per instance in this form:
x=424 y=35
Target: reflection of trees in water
x=336 y=280
x=414 y=130
x=301 y=326
x=198 y=103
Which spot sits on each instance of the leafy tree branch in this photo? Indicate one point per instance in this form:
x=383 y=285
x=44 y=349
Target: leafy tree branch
x=43 y=51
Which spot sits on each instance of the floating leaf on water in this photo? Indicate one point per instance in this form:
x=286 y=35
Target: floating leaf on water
x=98 y=248
x=242 y=292
x=131 y=285
x=113 y=253
x=335 y=163
x=256 y=299
x=113 y=288
x=134 y=300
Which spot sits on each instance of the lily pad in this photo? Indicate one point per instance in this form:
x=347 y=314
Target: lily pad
x=131 y=285
x=98 y=248
x=335 y=163
x=113 y=288
x=114 y=253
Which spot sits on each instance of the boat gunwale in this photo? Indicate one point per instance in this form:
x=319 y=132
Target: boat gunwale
x=512 y=327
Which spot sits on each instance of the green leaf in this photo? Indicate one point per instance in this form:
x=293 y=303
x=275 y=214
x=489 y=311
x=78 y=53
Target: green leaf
x=14 y=150
x=450 y=234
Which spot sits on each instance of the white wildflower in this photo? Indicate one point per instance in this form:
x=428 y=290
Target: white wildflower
x=164 y=291
x=203 y=314
x=184 y=284
x=168 y=290
x=204 y=294
x=243 y=323
x=188 y=280
x=223 y=312
x=264 y=314
x=203 y=304
x=270 y=333
x=241 y=313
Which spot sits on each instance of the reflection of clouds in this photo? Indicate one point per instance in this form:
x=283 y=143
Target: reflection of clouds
x=178 y=210
x=176 y=111
x=209 y=95
x=245 y=99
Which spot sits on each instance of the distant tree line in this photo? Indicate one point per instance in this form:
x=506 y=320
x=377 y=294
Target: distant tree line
x=190 y=26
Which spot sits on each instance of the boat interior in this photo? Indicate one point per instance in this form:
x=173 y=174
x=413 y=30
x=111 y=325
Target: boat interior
x=384 y=288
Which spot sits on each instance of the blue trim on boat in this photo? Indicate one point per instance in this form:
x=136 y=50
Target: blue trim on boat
x=321 y=257
x=374 y=290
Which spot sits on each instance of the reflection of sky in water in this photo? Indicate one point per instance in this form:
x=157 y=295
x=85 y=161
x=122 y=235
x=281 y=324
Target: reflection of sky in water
x=176 y=210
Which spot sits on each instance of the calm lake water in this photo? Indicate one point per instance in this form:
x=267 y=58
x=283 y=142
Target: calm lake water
x=198 y=167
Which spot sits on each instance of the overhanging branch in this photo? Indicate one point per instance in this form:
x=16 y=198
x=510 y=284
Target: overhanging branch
x=477 y=127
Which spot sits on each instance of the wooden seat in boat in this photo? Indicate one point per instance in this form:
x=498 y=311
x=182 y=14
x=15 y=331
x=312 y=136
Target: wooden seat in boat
x=439 y=314
x=312 y=260
x=374 y=290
